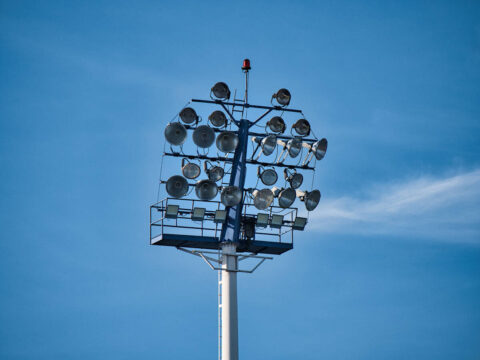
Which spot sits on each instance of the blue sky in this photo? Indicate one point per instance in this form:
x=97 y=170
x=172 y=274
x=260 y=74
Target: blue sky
x=390 y=264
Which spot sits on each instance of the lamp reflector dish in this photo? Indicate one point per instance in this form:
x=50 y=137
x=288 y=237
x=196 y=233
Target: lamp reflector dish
x=188 y=115
x=312 y=199
x=221 y=91
x=295 y=180
x=276 y=125
x=286 y=197
x=231 y=195
x=227 y=141
x=203 y=136
x=206 y=189
x=218 y=118
x=215 y=173
x=171 y=212
x=277 y=221
x=269 y=177
x=262 y=199
x=191 y=170
x=175 y=133
x=268 y=144
x=320 y=148
x=294 y=146
x=302 y=127
x=177 y=186
x=283 y=97
x=198 y=214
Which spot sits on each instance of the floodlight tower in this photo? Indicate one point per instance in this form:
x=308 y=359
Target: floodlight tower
x=235 y=236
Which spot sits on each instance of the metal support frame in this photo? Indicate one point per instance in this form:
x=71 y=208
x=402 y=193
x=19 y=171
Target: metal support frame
x=229 y=258
x=252 y=162
x=225 y=104
x=231 y=229
x=240 y=257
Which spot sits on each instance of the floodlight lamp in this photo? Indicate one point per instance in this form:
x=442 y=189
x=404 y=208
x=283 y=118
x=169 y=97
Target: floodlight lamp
x=293 y=178
x=294 y=146
x=267 y=176
x=221 y=91
x=218 y=118
x=302 y=127
x=282 y=96
x=198 y=214
x=206 y=189
x=214 y=172
x=320 y=148
x=262 y=199
x=286 y=198
x=188 y=115
x=276 y=190
x=231 y=195
x=268 y=144
x=227 y=141
x=299 y=223
x=310 y=198
x=262 y=219
x=220 y=216
x=277 y=221
x=177 y=186
x=190 y=170
x=171 y=212
x=175 y=133
x=203 y=136
x=277 y=125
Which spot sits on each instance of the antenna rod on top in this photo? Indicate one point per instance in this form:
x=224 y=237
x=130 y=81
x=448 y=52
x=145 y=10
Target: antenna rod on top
x=246 y=68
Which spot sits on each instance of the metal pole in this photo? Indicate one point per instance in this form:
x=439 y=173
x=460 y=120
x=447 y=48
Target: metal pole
x=229 y=303
x=246 y=86
x=229 y=238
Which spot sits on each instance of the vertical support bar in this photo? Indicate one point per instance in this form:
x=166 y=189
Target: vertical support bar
x=231 y=228
x=219 y=311
x=229 y=302
x=246 y=86
x=229 y=238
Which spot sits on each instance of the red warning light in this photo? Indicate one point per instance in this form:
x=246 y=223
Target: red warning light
x=246 y=65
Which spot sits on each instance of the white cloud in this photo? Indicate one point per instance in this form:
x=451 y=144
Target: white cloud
x=446 y=209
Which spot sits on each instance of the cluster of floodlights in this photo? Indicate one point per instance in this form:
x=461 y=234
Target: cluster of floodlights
x=227 y=141
x=203 y=135
x=261 y=220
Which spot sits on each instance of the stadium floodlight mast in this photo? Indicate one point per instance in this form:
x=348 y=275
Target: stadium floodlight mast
x=240 y=210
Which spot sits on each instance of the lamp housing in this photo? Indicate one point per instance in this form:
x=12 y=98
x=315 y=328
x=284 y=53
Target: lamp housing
x=175 y=133
x=203 y=136
x=188 y=115
x=282 y=96
x=221 y=91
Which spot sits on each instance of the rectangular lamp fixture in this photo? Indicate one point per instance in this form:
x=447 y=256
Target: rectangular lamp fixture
x=198 y=214
x=299 y=223
x=277 y=221
x=220 y=216
x=262 y=220
x=171 y=212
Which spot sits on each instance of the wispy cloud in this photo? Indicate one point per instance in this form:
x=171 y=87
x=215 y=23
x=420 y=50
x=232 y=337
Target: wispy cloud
x=446 y=208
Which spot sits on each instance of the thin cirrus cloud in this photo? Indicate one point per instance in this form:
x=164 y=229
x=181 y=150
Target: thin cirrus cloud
x=445 y=208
